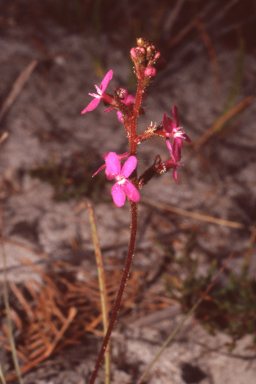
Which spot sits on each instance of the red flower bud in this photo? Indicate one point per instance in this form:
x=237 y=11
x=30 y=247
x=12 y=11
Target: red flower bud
x=133 y=53
x=150 y=71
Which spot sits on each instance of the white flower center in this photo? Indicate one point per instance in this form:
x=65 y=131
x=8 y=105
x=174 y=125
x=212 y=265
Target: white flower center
x=120 y=179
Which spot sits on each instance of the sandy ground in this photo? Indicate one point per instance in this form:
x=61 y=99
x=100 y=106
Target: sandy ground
x=218 y=181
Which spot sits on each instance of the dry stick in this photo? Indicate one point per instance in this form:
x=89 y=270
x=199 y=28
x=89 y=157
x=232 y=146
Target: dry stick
x=17 y=87
x=7 y=307
x=2 y=375
x=223 y=119
x=185 y=319
x=3 y=137
x=184 y=31
x=198 y=216
x=173 y=16
x=102 y=287
x=116 y=307
x=211 y=53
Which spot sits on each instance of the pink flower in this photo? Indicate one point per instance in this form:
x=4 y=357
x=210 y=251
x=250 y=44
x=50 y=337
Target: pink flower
x=176 y=132
x=172 y=164
x=173 y=130
x=122 y=187
x=100 y=93
x=123 y=156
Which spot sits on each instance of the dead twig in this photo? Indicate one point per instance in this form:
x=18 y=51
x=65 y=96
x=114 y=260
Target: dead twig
x=222 y=120
x=194 y=215
x=17 y=87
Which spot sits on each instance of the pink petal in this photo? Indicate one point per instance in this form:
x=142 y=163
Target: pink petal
x=109 y=109
x=144 y=97
x=93 y=104
x=120 y=116
x=176 y=147
x=113 y=164
x=168 y=124
x=129 y=166
x=106 y=80
x=118 y=195
x=175 y=175
x=123 y=156
x=131 y=191
x=186 y=138
x=100 y=169
x=129 y=100
x=175 y=115
x=109 y=175
x=169 y=146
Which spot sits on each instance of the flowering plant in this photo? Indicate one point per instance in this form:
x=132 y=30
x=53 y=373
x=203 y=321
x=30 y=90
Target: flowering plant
x=147 y=62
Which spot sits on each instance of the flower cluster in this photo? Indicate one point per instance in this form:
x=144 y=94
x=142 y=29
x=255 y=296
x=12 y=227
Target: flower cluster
x=147 y=62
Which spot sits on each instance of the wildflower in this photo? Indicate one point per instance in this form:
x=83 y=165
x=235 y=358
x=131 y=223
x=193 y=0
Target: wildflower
x=110 y=176
x=122 y=187
x=173 y=130
x=100 y=95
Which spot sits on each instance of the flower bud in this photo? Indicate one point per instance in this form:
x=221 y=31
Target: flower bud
x=157 y=55
x=133 y=53
x=150 y=71
x=140 y=51
x=140 y=42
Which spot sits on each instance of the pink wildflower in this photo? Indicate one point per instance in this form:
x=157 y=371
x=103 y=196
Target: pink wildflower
x=122 y=187
x=173 y=130
x=100 y=93
x=110 y=176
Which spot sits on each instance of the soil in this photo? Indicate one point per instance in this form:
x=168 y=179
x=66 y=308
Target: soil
x=48 y=224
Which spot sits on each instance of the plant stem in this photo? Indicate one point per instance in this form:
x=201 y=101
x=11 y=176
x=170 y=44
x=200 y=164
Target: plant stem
x=102 y=286
x=116 y=307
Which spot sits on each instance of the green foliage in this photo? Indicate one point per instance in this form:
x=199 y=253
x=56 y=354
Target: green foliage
x=231 y=305
x=72 y=178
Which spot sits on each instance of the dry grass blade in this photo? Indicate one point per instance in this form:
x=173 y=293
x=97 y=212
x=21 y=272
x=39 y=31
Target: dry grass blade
x=102 y=286
x=2 y=375
x=21 y=299
x=211 y=53
x=184 y=31
x=173 y=16
x=7 y=307
x=194 y=215
x=17 y=87
x=222 y=120
x=3 y=137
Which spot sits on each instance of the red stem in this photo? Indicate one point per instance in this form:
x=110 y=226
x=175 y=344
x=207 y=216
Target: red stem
x=129 y=257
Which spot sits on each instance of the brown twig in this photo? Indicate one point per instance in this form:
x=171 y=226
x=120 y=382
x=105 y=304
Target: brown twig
x=194 y=215
x=211 y=53
x=17 y=87
x=222 y=120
